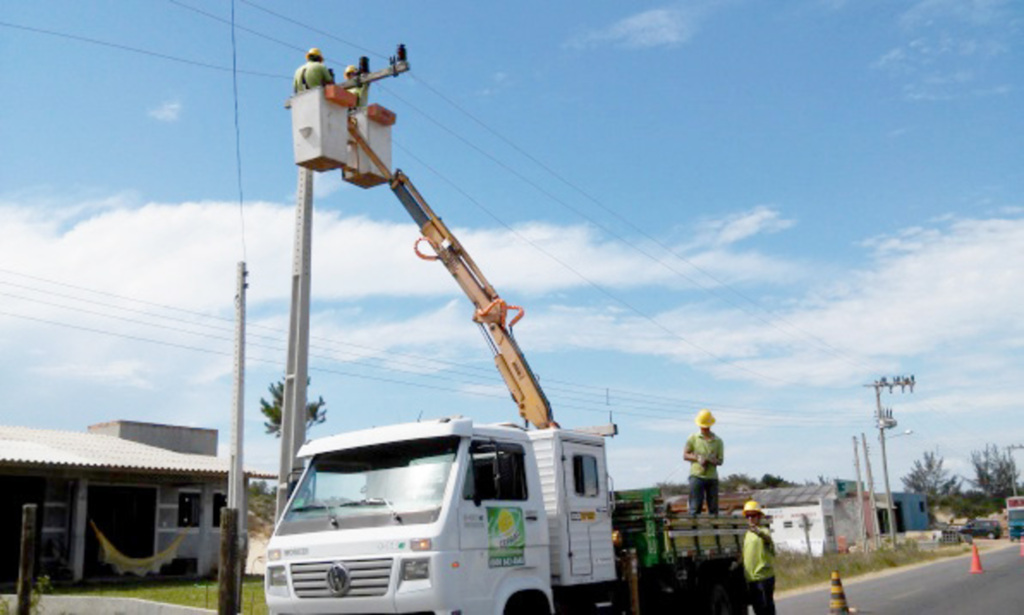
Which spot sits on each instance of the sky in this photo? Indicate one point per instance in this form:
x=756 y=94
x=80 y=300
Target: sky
x=757 y=208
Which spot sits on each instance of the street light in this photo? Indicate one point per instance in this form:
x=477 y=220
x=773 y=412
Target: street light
x=900 y=435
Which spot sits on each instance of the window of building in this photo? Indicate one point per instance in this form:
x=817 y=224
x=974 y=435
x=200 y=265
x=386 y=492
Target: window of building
x=920 y=506
x=189 y=509
x=220 y=502
x=584 y=472
x=787 y=524
x=497 y=472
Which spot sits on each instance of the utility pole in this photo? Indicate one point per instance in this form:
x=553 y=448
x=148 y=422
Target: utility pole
x=885 y=421
x=860 y=498
x=293 y=403
x=293 y=410
x=871 y=493
x=1009 y=451
x=236 y=476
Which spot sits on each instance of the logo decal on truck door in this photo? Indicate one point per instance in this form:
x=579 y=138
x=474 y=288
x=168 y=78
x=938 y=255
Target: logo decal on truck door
x=506 y=537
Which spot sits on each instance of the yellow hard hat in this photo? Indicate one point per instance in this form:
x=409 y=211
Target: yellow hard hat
x=752 y=508
x=314 y=53
x=704 y=418
x=350 y=69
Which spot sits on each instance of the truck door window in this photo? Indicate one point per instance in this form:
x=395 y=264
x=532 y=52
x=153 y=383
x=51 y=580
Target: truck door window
x=584 y=472
x=497 y=472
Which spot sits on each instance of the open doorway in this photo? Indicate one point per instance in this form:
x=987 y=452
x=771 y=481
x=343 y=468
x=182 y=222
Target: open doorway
x=127 y=517
x=17 y=491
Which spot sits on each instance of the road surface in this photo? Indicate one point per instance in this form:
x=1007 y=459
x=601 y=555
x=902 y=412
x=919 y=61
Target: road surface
x=943 y=588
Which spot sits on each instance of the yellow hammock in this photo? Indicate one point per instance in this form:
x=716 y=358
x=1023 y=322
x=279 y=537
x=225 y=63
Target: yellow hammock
x=140 y=566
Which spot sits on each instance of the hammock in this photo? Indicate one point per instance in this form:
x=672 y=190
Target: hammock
x=139 y=566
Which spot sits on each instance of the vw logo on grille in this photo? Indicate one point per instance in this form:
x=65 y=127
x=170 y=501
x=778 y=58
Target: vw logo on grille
x=338 y=579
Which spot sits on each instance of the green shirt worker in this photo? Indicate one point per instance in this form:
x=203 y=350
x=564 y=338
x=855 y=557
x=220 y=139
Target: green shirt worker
x=313 y=73
x=759 y=561
x=361 y=91
x=706 y=452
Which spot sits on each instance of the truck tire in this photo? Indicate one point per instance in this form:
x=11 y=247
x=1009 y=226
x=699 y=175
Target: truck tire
x=721 y=601
x=527 y=603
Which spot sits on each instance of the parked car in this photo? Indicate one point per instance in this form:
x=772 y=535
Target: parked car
x=982 y=528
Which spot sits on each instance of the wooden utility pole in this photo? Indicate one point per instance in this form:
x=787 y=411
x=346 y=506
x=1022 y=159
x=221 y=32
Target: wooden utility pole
x=27 y=562
x=227 y=600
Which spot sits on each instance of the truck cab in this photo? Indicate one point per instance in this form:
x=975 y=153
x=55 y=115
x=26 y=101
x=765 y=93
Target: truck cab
x=433 y=517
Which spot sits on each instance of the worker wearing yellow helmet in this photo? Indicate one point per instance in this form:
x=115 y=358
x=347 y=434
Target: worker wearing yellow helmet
x=759 y=561
x=313 y=73
x=361 y=91
x=705 y=452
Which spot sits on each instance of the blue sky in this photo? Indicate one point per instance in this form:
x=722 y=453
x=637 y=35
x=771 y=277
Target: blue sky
x=753 y=207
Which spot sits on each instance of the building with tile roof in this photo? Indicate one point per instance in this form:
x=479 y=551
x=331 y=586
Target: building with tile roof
x=143 y=486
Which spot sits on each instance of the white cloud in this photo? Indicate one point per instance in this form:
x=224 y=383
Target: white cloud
x=737 y=227
x=131 y=373
x=168 y=111
x=663 y=27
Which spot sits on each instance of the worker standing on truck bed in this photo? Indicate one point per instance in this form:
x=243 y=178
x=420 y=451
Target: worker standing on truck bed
x=759 y=561
x=706 y=452
x=313 y=73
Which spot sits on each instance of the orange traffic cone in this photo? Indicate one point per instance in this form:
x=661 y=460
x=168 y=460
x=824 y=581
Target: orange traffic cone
x=975 y=561
x=837 y=603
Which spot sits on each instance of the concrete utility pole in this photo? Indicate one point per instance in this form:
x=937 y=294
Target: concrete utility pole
x=1009 y=451
x=885 y=421
x=293 y=403
x=236 y=476
x=871 y=493
x=293 y=410
x=860 y=498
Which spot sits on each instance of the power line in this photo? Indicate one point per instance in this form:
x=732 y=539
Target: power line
x=137 y=50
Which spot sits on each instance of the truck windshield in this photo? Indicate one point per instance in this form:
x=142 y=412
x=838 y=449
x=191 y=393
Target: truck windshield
x=1017 y=515
x=398 y=483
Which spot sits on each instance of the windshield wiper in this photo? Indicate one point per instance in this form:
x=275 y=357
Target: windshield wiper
x=315 y=505
x=375 y=502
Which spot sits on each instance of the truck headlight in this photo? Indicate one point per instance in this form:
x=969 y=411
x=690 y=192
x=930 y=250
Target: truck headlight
x=415 y=569
x=277 y=581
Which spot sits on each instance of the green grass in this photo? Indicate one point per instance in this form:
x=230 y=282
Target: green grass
x=793 y=570
x=201 y=593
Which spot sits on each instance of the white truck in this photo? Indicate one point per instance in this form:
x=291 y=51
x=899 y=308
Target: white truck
x=457 y=518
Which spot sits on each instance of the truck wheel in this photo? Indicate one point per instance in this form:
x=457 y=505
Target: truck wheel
x=991 y=536
x=721 y=601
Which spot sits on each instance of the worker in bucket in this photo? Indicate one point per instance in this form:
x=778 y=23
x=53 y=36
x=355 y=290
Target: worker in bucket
x=361 y=91
x=313 y=73
x=705 y=452
x=759 y=561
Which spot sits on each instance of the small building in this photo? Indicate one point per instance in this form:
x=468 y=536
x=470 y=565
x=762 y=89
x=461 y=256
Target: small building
x=826 y=518
x=139 y=489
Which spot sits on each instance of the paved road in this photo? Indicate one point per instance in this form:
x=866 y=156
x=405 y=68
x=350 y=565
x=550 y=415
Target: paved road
x=943 y=588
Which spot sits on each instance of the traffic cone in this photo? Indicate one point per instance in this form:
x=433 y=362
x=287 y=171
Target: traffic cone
x=975 y=561
x=837 y=603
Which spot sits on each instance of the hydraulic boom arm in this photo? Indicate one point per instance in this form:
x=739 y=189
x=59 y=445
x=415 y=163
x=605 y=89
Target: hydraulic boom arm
x=491 y=310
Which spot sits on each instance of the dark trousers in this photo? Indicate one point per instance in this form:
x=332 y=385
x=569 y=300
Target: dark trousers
x=762 y=596
x=701 y=489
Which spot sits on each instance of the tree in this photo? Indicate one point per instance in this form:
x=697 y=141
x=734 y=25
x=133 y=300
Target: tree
x=930 y=478
x=772 y=482
x=994 y=471
x=316 y=412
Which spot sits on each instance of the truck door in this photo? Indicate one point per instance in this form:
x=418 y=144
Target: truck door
x=586 y=504
x=499 y=530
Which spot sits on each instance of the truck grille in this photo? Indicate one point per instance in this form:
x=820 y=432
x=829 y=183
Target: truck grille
x=370 y=577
